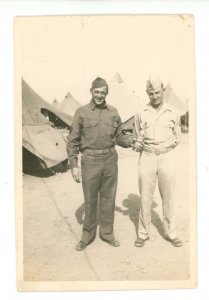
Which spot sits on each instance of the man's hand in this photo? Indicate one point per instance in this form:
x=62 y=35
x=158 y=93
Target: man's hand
x=76 y=173
x=137 y=145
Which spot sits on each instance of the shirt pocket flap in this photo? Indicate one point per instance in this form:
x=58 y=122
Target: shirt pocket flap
x=89 y=123
x=113 y=124
x=170 y=124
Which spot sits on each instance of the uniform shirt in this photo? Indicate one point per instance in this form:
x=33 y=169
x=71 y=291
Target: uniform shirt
x=157 y=128
x=94 y=128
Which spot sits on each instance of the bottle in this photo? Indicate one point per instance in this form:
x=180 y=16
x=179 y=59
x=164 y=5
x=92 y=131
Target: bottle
x=138 y=142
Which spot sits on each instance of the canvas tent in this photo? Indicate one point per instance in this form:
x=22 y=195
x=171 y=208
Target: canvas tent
x=38 y=137
x=55 y=103
x=33 y=106
x=120 y=96
x=172 y=99
x=69 y=104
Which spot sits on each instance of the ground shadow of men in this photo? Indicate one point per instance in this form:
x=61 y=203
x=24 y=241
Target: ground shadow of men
x=133 y=204
x=79 y=214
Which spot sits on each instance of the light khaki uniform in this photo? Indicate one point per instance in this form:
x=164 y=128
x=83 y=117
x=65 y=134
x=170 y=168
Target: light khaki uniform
x=157 y=160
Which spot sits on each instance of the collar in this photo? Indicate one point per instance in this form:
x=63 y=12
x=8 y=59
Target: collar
x=93 y=105
x=164 y=107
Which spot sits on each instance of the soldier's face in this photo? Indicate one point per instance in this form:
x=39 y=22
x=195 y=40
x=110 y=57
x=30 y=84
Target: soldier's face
x=156 y=96
x=99 y=95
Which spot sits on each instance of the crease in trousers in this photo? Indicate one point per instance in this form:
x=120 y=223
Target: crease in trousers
x=99 y=182
x=152 y=167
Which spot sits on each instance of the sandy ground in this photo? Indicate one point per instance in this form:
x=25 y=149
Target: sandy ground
x=53 y=217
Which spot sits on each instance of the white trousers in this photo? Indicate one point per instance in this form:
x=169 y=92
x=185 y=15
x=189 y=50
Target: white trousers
x=152 y=166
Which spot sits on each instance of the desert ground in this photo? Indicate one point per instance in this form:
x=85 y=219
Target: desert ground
x=53 y=215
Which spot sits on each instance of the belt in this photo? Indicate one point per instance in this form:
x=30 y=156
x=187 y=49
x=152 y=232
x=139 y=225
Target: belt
x=160 y=151
x=100 y=151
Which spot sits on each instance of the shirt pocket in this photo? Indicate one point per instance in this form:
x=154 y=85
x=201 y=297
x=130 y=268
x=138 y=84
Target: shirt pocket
x=169 y=125
x=167 y=129
x=110 y=128
x=89 y=128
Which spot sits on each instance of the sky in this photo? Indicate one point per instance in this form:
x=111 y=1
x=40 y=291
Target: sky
x=60 y=54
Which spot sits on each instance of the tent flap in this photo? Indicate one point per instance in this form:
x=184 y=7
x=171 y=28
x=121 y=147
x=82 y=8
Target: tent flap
x=39 y=138
x=46 y=143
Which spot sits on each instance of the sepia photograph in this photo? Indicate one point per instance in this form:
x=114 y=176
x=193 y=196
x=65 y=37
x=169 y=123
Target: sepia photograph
x=105 y=151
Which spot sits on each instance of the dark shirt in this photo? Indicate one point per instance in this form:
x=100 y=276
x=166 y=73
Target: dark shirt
x=95 y=128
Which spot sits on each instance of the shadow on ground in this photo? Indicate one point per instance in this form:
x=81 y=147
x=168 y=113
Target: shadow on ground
x=132 y=205
x=79 y=213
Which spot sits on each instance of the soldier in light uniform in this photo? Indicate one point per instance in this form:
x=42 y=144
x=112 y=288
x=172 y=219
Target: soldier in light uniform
x=95 y=131
x=156 y=125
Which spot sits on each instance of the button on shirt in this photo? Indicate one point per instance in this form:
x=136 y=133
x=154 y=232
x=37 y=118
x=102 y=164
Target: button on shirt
x=157 y=128
x=94 y=128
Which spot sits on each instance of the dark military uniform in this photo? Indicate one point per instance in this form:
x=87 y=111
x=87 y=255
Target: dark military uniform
x=95 y=131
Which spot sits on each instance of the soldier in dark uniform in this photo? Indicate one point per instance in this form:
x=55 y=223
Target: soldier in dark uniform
x=95 y=131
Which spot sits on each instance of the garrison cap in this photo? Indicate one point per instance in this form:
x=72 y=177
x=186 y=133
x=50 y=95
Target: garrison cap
x=153 y=83
x=99 y=82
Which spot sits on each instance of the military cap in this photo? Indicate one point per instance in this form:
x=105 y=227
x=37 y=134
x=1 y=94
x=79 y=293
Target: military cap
x=99 y=82
x=153 y=83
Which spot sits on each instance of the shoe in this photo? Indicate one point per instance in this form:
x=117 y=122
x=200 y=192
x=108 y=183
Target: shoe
x=81 y=246
x=139 y=242
x=113 y=242
x=176 y=242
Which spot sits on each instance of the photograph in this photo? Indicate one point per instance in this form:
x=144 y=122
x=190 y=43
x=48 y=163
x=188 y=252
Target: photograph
x=105 y=152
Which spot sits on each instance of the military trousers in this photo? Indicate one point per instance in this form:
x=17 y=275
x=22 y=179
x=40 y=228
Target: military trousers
x=99 y=181
x=152 y=167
